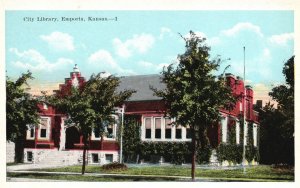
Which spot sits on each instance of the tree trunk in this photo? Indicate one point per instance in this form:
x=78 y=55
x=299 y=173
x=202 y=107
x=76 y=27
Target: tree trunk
x=193 y=157
x=101 y=142
x=84 y=155
x=19 y=149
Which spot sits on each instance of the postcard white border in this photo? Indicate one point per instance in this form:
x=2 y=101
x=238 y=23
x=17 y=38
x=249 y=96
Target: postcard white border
x=144 y=5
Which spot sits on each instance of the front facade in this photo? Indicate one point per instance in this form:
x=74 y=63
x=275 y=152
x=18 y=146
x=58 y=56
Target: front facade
x=55 y=141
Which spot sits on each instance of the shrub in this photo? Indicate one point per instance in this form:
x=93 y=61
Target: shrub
x=174 y=152
x=203 y=154
x=230 y=152
x=114 y=166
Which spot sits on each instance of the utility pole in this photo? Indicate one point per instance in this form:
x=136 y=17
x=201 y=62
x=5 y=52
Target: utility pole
x=244 y=119
x=121 y=133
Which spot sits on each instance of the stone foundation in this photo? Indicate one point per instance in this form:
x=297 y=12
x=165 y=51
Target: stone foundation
x=10 y=152
x=71 y=157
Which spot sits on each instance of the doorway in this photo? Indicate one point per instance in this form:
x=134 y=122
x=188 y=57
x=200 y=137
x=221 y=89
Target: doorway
x=72 y=137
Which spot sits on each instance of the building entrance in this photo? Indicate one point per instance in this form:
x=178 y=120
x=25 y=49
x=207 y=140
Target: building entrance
x=72 y=137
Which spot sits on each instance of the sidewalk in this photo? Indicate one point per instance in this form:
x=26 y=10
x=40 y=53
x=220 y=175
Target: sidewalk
x=176 y=178
x=8 y=179
x=31 y=166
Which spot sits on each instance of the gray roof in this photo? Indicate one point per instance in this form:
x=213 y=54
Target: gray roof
x=142 y=83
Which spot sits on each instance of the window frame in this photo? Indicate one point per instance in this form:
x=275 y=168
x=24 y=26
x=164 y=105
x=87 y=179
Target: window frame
x=178 y=128
x=112 y=158
x=145 y=128
x=112 y=132
x=47 y=137
x=154 y=121
x=27 y=157
x=28 y=134
x=168 y=127
x=186 y=133
x=98 y=158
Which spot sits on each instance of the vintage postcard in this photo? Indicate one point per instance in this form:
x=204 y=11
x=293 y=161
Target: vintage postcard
x=151 y=93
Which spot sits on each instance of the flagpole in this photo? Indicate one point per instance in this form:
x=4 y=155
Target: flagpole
x=244 y=117
x=121 y=132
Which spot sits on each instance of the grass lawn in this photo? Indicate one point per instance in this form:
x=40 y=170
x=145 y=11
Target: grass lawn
x=13 y=164
x=255 y=173
x=84 y=177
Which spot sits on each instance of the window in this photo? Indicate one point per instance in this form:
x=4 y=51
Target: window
x=157 y=127
x=188 y=132
x=95 y=158
x=148 y=127
x=97 y=133
x=43 y=129
x=29 y=156
x=30 y=132
x=43 y=133
x=110 y=131
x=178 y=134
x=109 y=158
x=168 y=130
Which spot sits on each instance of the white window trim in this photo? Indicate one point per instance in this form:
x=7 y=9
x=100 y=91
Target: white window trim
x=47 y=129
x=161 y=127
x=29 y=127
x=163 y=130
x=114 y=133
x=92 y=162
x=144 y=128
x=114 y=129
x=93 y=137
x=179 y=127
x=106 y=161
x=185 y=128
x=27 y=158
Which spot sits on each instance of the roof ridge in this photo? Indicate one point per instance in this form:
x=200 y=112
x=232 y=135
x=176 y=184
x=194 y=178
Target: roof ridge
x=144 y=75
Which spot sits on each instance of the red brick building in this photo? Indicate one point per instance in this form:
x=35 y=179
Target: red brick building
x=55 y=141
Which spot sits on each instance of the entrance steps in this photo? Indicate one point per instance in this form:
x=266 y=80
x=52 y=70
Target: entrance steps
x=213 y=158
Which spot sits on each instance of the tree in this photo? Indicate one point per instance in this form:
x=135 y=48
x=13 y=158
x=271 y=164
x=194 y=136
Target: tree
x=284 y=95
x=91 y=106
x=193 y=95
x=21 y=111
x=277 y=125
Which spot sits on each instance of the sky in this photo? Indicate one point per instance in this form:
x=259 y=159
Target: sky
x=143 y=42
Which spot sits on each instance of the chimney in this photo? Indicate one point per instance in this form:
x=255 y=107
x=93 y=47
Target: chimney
x=259 y=103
